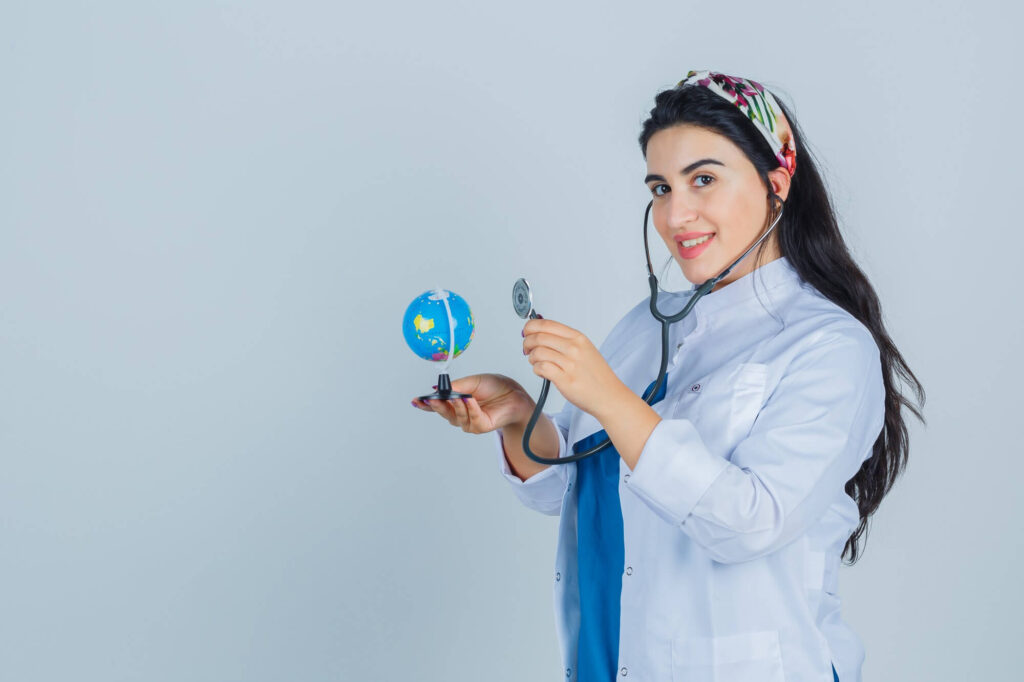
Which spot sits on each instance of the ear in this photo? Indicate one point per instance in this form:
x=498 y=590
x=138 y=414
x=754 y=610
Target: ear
x=780 y=181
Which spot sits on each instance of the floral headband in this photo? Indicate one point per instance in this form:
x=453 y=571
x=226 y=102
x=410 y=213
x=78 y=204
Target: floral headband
x=760 y=107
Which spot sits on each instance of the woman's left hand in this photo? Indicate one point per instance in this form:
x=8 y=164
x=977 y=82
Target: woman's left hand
x=572 y=363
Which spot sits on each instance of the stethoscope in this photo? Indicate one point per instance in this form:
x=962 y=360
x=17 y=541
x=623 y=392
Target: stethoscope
x=522 y=301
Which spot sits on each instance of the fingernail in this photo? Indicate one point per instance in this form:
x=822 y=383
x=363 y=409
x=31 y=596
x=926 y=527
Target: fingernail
x=434 y=386
x=539 y=316
x=523 y=333
x=465 y=400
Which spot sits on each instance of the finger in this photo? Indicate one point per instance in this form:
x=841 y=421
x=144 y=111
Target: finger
x=550 y=371
x=455 y=404
x=423 y=405
x=442 y=409
x=561 y=344
x=549 y=356
x=459 y=407
x=549 y=326
x=475 y=414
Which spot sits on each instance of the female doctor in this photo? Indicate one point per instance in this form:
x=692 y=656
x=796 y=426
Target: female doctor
x=704 y=543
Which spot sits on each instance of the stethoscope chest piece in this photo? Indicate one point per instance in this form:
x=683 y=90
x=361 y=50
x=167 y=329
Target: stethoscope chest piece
x=522 y=299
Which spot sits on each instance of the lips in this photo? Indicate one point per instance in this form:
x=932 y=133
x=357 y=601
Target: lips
x=693 y=251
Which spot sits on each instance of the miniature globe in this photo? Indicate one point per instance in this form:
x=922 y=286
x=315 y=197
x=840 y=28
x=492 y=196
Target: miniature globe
x=427 y=329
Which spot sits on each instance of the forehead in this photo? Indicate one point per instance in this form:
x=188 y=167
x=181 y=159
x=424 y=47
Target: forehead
x=679 y=145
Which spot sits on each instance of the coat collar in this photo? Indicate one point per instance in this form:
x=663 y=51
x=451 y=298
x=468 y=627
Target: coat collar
x=762 y=282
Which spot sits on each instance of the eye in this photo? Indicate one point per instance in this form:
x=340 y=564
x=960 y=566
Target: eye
x=704 y=176
x=654 y=190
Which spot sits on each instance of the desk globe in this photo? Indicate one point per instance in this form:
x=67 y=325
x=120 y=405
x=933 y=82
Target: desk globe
x=438 y=326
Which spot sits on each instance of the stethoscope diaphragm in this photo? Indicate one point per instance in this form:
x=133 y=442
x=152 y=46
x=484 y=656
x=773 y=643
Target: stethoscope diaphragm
x=522 y=299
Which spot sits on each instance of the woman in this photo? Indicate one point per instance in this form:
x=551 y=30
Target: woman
x=705 y=543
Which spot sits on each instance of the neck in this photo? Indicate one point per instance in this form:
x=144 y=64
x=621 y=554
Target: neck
x=750 y=263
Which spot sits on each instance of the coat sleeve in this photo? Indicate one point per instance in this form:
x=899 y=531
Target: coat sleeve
x=812 y=435
x=544 y=490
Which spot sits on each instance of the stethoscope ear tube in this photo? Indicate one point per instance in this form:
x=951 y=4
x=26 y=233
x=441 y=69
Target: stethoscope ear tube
x=523 y=302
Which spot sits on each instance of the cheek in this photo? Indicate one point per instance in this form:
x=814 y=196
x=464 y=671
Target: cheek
x=658 y=222
x=735 y=217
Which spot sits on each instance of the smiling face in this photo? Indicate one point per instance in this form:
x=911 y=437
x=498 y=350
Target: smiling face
x=705 y=188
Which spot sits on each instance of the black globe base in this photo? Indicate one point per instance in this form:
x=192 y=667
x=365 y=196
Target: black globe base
x=444 y=391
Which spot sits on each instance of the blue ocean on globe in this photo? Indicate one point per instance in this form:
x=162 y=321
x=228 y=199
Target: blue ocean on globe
x=425 y=325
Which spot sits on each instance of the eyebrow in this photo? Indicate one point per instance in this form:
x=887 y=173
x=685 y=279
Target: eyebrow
x=695 y=164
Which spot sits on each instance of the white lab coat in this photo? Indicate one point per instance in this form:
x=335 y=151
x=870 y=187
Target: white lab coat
x=735 y=515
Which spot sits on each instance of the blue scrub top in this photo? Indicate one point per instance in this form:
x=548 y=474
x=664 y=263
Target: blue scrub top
x=601 y=554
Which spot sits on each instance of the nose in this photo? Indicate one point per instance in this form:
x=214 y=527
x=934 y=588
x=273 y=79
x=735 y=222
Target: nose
x=680 y=210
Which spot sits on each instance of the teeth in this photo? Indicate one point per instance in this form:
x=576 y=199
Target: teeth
x=693 y=242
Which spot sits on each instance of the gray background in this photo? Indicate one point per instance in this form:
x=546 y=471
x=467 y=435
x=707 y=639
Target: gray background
x=212 y=218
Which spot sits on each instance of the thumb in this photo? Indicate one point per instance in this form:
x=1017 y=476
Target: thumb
x=466 y=384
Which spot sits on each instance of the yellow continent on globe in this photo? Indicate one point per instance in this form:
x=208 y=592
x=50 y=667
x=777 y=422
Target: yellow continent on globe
x=423 y=324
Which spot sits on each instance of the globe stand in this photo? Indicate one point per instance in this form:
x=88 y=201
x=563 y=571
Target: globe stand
x=444 y=391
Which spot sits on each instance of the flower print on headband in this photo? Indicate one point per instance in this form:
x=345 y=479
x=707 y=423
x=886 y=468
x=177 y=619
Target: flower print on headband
x=758 y=104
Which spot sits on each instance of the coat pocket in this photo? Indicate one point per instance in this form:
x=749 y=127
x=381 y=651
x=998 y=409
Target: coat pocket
x=730 y=400
x=743 y=657
x=745 y=402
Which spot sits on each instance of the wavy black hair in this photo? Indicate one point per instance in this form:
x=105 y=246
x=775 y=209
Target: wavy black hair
x=808 y=236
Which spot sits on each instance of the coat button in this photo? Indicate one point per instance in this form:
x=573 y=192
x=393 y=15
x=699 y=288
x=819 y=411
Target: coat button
x=626 y=478
x=629 y=570
x=568 y=672
x=558 y=576
x=623 y=671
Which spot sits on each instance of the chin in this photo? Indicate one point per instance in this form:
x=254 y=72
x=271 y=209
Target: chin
x=697 y=273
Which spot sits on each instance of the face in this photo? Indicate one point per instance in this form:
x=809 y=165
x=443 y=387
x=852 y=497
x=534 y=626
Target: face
x=703 y=186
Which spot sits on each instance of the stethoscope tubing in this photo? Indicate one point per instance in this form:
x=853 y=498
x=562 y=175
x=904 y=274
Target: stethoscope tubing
x=665 y=322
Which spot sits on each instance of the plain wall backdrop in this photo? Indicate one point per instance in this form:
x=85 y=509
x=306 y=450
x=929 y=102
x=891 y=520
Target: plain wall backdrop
x=212 y=218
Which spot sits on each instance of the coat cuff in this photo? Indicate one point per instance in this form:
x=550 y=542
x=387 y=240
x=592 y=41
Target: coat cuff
x=674 y=470
x=545 y=489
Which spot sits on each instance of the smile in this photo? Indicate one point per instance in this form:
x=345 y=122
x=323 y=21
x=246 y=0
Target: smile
x=693 y=242
x=691 y=248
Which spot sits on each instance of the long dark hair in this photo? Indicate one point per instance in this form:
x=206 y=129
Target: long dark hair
x=808 y=236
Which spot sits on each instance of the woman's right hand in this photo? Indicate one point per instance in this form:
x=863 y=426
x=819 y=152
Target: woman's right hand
x=497 y=401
